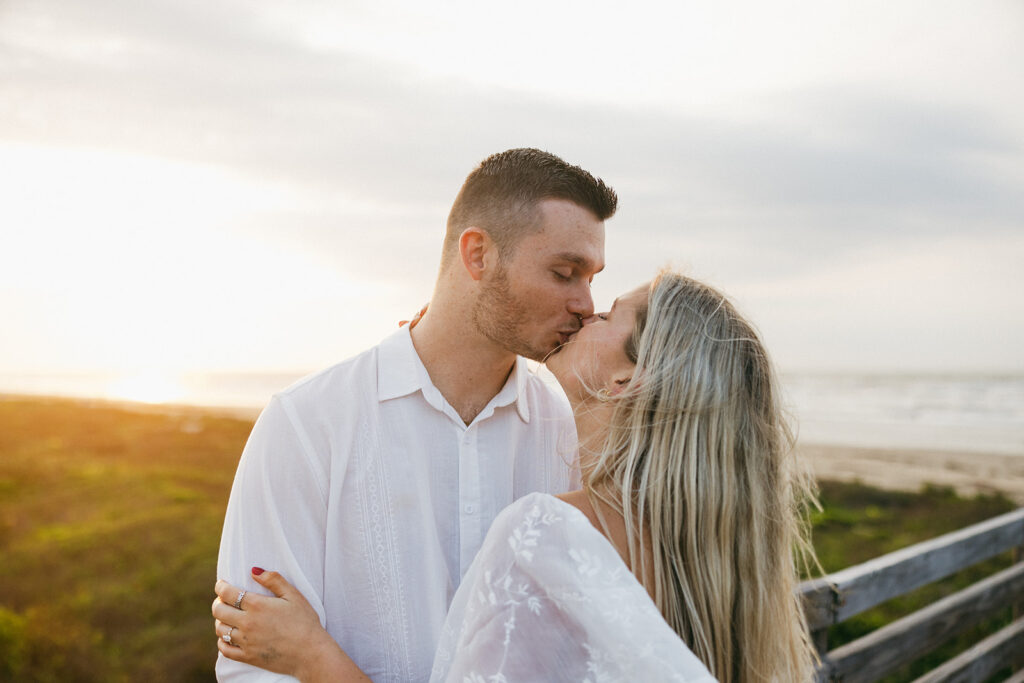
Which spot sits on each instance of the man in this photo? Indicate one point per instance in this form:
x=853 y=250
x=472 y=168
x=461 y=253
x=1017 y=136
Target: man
x=371 y=485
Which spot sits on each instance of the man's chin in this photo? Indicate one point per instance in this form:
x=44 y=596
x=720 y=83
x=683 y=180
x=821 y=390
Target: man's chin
x=538 y=357
x=541 y=352
x=538 y=352
x=555 y=350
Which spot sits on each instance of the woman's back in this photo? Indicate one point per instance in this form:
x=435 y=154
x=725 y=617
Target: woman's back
x=549 y=599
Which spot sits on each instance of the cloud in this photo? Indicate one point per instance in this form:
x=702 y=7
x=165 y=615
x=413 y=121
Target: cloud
x=213 y=83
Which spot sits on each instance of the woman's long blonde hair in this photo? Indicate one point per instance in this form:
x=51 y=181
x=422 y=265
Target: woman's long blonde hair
x=699 y=461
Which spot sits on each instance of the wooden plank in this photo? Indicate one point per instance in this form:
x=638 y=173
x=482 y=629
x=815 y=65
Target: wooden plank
x=820 y=640
x=821 y=600
x=886 y=649
x=1001 y=649
x=1018 y=607
x=863 y=586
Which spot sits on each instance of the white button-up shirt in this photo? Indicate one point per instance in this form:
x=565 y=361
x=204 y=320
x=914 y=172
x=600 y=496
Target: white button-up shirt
x=367 y=491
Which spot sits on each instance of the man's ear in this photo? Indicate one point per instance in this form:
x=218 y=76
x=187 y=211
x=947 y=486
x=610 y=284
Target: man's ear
x=474 y=246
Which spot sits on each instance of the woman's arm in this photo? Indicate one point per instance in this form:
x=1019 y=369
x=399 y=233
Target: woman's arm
x=281 y=634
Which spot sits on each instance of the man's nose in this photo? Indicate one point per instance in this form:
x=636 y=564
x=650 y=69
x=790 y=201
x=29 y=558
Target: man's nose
x=583 y=305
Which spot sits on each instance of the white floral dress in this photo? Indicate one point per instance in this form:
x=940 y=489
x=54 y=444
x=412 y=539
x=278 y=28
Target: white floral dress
x=549 y=599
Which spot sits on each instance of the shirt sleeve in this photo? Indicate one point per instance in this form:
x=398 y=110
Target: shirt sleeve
x=275 y=519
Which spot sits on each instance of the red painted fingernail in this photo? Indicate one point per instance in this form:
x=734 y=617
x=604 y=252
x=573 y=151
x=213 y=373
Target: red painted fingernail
x=257 y=571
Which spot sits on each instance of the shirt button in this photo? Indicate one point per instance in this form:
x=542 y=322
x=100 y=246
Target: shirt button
x=469 y=509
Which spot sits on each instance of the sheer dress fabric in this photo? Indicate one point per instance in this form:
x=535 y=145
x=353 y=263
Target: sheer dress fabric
x=549 y=599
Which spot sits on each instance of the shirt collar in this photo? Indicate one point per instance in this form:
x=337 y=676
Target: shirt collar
x=399 y=369
x=400 y=372
x=514 y=390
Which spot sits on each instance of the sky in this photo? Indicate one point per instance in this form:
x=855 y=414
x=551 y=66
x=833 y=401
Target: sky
x=262 y=186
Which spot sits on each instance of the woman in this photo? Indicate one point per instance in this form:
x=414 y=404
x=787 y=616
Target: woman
x=674 y=562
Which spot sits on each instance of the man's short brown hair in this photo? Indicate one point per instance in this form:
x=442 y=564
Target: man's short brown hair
x=501 y=196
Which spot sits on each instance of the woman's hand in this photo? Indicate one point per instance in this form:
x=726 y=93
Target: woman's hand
x=280 y=634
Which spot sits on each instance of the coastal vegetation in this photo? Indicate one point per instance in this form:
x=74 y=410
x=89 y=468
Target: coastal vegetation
x=110 y=519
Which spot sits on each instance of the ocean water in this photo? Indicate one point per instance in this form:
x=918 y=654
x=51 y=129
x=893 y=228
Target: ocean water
x=973 y=413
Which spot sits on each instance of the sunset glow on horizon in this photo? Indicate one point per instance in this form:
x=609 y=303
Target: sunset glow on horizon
x=147 y=387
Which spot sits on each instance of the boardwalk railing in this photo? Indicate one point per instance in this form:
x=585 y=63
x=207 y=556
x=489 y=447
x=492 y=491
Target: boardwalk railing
x=851 y=591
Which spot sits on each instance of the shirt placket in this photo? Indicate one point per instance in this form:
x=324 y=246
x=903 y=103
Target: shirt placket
x=470 y=537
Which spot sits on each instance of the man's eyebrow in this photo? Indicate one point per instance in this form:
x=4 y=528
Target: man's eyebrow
x=577 y=259
x=571 y=258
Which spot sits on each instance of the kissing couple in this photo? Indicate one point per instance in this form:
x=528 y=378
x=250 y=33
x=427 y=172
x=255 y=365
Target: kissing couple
x=431 y=509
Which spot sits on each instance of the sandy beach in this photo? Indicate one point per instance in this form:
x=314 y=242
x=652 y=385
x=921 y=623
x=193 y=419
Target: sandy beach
x=908 y=470
x=968 y=473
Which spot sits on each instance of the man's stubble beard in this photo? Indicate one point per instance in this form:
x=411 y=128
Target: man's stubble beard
x=500 y=316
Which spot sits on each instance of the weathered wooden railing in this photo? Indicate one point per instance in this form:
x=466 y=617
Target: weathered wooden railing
x=851 y=591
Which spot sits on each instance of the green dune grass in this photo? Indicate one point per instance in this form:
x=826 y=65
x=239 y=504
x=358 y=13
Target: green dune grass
x=109 y=526
x=110 y=519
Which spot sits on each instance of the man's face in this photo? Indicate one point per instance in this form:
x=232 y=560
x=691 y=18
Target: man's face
x=534 y=301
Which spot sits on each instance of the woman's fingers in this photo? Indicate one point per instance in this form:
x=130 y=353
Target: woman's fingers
x=232 y=595
x=276 y=583
x=236 y=597
x=231 y=647
x=232 y=641
x=221 y=588
x=280 y=586
x=229 y=651
x=230 y=635
x=227 y=614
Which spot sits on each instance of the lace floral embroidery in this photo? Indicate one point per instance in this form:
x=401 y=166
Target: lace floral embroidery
x=548 y=598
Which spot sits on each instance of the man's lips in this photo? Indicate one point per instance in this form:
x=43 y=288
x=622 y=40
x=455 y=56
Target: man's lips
x=565 y=335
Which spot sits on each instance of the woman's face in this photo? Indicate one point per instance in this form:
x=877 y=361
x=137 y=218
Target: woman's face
x=595 y=357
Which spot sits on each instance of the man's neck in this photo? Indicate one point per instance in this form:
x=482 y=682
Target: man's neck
x=466 y=367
